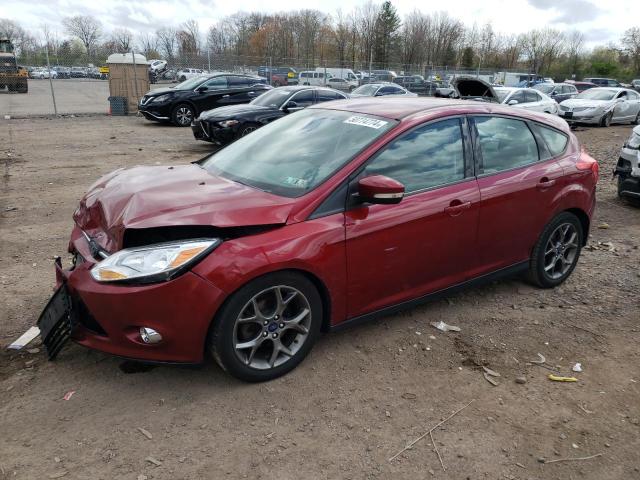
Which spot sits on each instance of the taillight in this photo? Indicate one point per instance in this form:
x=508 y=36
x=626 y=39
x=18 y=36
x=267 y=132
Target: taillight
x=587 y=162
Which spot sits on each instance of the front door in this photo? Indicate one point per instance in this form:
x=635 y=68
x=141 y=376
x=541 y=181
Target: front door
x=427 y=241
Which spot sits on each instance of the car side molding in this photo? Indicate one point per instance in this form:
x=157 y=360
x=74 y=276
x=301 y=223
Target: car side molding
x=510 y=271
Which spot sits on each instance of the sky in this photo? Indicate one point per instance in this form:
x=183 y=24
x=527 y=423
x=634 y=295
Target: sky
x=600 y=22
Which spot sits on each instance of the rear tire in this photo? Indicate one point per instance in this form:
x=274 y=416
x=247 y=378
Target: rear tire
x=260 y=334
x=556 y=253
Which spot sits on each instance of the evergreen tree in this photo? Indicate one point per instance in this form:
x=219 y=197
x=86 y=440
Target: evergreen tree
x=386 y=34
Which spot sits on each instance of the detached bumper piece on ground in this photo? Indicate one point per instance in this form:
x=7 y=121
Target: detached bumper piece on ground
x=56 y=321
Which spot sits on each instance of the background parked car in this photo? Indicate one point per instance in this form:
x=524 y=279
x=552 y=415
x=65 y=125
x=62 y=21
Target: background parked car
x=381 y=89
x=636 y=84
x=187 y=73
x=526 y=98
x=602 y=106
x=313 y=78
x=279 y=76
x=628 y=168
x=63 y=72
x=41 y=73
x=581 y=86
x=158 y=66
x=417 y=84
x=226 y=124
x=342 y=84
x=78 y=72
x=184 y=102
x=557 y=91
x=603 y=82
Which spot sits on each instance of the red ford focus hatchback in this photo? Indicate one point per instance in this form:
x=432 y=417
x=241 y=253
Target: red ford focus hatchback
x=325 y=218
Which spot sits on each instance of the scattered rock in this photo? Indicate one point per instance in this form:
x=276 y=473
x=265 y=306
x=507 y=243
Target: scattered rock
x=145 y=432
x=387 y=413
x=58 y=474
x=603 y=226
x=521 y=379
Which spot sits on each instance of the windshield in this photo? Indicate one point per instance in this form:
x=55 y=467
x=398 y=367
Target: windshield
x=190 y=84
x=292 y=156
x=501 y=93
x=273 y=98
x=544 y=87
x=597 y=94
x=366 y=90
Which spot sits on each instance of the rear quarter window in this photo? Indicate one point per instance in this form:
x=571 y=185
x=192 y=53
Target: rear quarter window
x=555 y=140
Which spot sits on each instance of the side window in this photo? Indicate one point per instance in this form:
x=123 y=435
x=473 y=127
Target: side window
x=555 y=140
x=304 y=98
x=217 y=83
x=425 y=157
x=237 y=82
x=622 y=95
x=303 y=75
x=505 y=143
x=518 y=96
x=633 y=96
x=531 y=96
x=326 y=96
x=387 y=91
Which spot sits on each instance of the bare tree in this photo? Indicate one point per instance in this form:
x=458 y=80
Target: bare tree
x=148 y=44
x=189 y=38
x=123 y=39
x=167 y=41
x=86 y=29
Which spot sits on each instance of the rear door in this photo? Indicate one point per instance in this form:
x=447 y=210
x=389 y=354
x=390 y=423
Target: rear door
x=518 y=187
x=216 y=91
x=427 y=241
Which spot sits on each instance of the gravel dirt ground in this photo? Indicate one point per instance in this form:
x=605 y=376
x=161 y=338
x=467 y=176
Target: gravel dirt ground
x=360 y=397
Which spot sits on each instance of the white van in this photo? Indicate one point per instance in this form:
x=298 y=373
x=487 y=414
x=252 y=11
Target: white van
x=345 y=73
x=316 y=79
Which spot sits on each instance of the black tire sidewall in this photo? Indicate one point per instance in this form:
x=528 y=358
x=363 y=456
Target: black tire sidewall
x=537 y=273
x=220 y=340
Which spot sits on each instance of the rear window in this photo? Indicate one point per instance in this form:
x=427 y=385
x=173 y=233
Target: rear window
x=505 y=144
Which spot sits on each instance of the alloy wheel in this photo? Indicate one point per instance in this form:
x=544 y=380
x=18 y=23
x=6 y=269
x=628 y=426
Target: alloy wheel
x=248 y=130
x=561 y=251
x=184 y=115
x=272 y=327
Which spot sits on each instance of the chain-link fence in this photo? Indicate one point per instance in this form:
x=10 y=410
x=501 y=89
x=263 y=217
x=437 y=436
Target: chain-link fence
x=66 y=83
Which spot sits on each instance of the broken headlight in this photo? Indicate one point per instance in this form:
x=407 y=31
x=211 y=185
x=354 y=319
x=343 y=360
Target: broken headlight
x=152 y=263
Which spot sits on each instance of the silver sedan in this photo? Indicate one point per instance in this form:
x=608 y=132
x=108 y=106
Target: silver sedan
x=602 y=106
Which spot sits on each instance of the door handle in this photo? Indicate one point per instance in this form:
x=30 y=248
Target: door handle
x=545 y=182
x=456 y=207
x=225 y=96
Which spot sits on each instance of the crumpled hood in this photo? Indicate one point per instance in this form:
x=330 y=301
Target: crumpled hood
x=186 y=195
x=230 y=111
x=580 y=102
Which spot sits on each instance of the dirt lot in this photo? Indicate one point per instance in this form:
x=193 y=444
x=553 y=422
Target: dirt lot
x=360 y=397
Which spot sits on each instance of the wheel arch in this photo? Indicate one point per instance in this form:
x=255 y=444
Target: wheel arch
x=585 y=222
x=322 y=289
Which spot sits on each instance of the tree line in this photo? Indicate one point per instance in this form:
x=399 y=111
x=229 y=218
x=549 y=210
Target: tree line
x=371 y=34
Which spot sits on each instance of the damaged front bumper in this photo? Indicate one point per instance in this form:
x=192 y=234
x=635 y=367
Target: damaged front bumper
x=109 y=317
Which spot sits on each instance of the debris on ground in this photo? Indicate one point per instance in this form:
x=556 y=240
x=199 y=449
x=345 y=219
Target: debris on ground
x=443 y=327
x=541 y=360
x=145 y=432
x=430 y=432
x=521 y=379
x=577 y=367
x=488 y=378
x=493 y=373
x=603 y=226
x=58 y=474
x=557 y=378
x=68 y=395
x=25 y=339
x=572 y=459
x=154 y=461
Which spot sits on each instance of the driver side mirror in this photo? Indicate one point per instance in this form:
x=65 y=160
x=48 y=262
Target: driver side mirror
x=378 y=189
x=512 y=102
x=291 y=106
x=202 y=88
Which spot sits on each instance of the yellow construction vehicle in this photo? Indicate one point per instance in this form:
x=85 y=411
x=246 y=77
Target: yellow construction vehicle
x=11 y=75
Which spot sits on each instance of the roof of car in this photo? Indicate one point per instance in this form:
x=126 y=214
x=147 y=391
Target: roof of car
x=402 y=107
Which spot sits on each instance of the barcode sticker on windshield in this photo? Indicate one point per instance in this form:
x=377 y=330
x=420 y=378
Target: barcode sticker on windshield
x=366 y=122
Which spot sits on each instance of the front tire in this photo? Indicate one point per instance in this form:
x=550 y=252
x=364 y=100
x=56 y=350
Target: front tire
x=267 y=327
x=606 y=119
x=247 y=129
x=182 y=115
x=557 y=251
